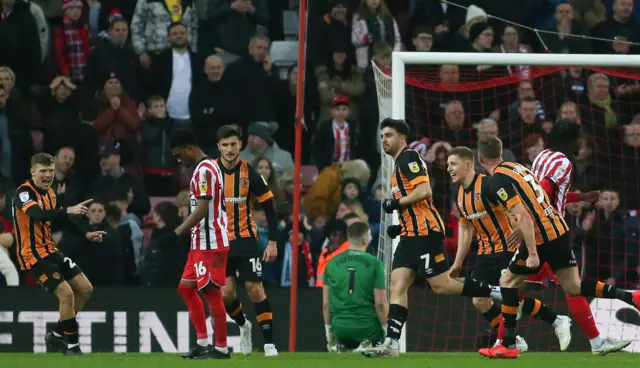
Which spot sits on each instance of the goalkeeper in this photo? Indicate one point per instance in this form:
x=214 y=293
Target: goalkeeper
x=354 y=301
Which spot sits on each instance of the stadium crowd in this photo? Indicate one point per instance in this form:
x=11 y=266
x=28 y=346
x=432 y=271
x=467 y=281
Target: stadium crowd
x=101 y=84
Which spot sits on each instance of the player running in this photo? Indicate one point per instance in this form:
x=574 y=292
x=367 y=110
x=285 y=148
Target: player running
x=205 y=268
x=421 y=247
x=482 y=213
x=546 y=239
x=242 y=187
x=354 y=296
x=35 y=206
x=553 y=169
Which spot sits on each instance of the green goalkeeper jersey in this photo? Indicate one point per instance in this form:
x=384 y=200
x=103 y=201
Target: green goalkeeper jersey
x=351 y=277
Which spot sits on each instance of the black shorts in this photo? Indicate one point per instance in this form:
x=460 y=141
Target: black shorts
x=557 y=253
x=53 y=270
x=245 y=268
x=489 y=268
x=423 y=254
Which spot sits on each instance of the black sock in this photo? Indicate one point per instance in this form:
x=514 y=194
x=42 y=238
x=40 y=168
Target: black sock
x=600 y=290
x=234 y=310
x=264 y=316
x=59 y=329
x=70 y=330
x=493 y=316
x=474 y=288
x=509 y=313
x=395 y=320
x=536 y=309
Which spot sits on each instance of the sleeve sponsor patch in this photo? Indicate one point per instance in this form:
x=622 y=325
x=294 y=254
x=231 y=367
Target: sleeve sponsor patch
x=203 y=186
x=24 y=197
x=503 y=194
x=414 y=167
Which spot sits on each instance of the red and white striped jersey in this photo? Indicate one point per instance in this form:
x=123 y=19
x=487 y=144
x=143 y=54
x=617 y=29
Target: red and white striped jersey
x=557 y=167
x=341 y=149
x=211 y=232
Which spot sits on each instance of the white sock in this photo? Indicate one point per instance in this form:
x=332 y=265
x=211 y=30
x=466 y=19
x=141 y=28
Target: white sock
x=203 y=342
x=224 y=350
x=72 y=345
x=495 y=293
x=596 y=342
x=557 y=322
x=56 y=334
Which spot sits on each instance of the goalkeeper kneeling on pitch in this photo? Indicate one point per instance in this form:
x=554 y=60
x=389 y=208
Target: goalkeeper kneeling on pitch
x=354 y=299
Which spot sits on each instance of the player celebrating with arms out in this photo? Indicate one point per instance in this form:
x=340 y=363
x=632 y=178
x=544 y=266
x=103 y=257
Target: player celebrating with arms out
x=209 y=245
x=553 y=169
x=242 y=186
x=354 y=296
x=481 y=213
x=514 y=185
x=421 y=247
x=35 y=206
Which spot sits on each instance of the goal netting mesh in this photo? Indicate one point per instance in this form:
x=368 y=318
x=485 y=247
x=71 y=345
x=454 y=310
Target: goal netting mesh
x=450 y=105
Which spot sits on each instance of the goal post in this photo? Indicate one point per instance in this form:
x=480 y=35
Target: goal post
x=392 y=89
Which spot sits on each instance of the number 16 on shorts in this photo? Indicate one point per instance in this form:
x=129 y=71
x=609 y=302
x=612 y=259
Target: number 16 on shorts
x=205 y=267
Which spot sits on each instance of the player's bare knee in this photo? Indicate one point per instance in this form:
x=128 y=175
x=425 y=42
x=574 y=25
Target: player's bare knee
x=255 y=290
x=571 y=288
x=508 y=280
x=482 y=304
x=64 y=293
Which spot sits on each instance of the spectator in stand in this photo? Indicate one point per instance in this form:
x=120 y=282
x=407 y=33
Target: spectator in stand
x=526 y=123
x=442 y=17
x=255 y=80
x=101 y=262
x=336 y=233
x=111 y=55
x=339 y=77
x=117 y=114
x=21 y=48
x=612 y=242
x=16 y=146
x=232 y=24
x=575 y=80
x=625 y=163
x=176 y=71
x=324 y=196
x=569 y=111
x=182 y=201
x=589 y=171
x=119 y=198
x=511 y=45
x=422 y=39
x=460 y=41
x=456 y=130
x=533 y=145
x=129 y=271
x=566 y=39
x=436 y=158
x=620 y=44
x=620 y=19
x=158 y=163
x=162 y=263
x=489 y=128
x=265 y=168
x=336 y=140
x=371 y=23
x=213 y=104
x=152 y=23
x=113 y=175
x=42 y=26
x=525 y=91
x=260 y=143
x=480 y=37
x=589 y=12
x=305 y=260
x=7 y=269
x=100 y=12
x=72 y=45
x=61 y=115
x=68 y=186
x=333 y=27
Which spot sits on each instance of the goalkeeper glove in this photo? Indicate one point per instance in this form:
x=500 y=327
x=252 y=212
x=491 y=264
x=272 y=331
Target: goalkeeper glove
x=391 y=205
x=393 y=231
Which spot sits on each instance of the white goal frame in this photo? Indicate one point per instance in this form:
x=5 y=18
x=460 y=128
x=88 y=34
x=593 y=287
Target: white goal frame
x=392 y=103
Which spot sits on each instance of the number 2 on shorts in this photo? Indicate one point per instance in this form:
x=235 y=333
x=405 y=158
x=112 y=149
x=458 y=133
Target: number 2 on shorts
x=68 y=260
x=201 y=270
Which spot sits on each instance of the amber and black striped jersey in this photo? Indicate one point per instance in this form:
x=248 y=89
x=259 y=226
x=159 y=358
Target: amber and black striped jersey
x=421 y=217
x=242 y=187
x=33 y=237
x=489 y=220
x=513 y=183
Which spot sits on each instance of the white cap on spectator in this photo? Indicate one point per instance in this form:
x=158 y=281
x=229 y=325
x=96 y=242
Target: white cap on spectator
x=475 y=11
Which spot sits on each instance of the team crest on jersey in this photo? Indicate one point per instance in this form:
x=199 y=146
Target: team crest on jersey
x=56 y=275
x=477 y=196
x=413 y=166
x=244 y=182
x=204 y=186
x=503 y=194
x=24 y=197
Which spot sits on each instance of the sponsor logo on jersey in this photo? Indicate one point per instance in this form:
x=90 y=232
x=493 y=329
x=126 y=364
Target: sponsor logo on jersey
x=414 y=167
x=503 y=194
x=235 y=199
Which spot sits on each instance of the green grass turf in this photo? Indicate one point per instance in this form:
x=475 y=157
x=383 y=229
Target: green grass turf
x=311 y=360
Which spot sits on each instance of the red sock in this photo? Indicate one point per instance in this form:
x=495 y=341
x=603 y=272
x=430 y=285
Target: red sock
x=501 y=330
x=218 y=315
x=581 y=311
x=196 y=310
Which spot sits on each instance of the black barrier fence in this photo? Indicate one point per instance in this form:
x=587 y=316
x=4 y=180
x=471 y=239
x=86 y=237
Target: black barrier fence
x=156 y=320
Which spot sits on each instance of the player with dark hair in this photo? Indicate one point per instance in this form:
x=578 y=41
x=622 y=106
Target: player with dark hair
x=35 y=207
x=421 y=247
x=482 y=213
x=553 y=168
x=354 y=296
x=243 y=187
x=546 y=237
x=209 y=244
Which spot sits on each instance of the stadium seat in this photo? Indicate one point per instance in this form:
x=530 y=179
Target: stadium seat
x=308 y=174
x=147 y=221
x=290 y=25
x=37 y=139
x=283 y=55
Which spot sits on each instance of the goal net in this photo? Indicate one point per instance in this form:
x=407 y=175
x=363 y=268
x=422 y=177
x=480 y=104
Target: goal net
x=451 y=99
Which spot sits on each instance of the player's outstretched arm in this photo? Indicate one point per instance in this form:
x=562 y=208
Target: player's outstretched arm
x=465 y=236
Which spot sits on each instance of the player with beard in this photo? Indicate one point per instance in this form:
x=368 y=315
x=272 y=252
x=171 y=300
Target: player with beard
x=35 y=207
x=553 y=168
x=243 y=186
x=421 y=247
x=209 y=245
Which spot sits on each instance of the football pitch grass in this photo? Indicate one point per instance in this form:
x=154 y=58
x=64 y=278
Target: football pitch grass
x=312 y=360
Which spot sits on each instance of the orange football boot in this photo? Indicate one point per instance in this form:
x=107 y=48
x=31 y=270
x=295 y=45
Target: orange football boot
x=500 y=352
